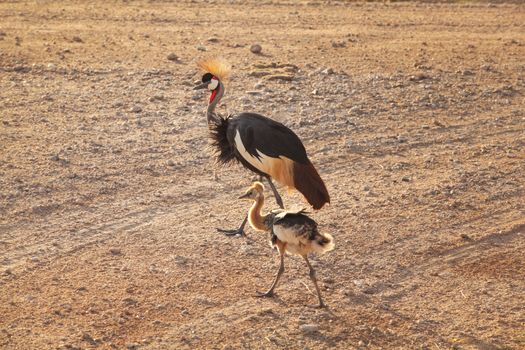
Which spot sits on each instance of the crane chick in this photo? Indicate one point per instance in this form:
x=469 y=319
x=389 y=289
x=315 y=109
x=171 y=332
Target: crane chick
x=292 y=231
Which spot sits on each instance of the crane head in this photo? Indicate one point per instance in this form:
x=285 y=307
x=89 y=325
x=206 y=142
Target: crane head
x=208 y=81
x=215 y=71
x=254 y=192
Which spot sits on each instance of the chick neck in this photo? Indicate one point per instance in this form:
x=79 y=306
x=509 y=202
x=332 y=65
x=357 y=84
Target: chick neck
x=255 y=217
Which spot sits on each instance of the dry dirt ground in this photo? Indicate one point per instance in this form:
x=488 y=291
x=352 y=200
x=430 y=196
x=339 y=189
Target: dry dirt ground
x=413 y=113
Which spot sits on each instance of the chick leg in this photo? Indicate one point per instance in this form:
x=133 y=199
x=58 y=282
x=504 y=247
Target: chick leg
x=314 y=279
x=269 y=292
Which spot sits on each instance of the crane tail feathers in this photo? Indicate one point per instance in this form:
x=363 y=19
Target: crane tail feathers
x=309 y=183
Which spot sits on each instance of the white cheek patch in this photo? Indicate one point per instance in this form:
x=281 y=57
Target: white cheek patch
x=213 y=84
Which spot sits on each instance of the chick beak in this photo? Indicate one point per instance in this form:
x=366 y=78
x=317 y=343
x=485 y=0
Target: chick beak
x=246 y=195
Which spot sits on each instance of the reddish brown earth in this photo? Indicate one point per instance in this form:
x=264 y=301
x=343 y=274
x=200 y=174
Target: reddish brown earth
x=413 y=113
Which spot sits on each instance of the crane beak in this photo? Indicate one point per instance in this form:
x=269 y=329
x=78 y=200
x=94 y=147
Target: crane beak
x=201 y=86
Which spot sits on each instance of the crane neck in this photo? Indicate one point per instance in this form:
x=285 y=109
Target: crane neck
x=214 y=100
x=255 y=217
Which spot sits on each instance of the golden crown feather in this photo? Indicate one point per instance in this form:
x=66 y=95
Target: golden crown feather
x=216 y=66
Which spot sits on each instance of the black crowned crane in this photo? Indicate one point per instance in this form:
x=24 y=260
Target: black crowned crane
x=292 y=231
x=262 y=145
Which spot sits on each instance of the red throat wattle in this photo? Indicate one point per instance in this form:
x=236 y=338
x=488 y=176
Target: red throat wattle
x=213 y=93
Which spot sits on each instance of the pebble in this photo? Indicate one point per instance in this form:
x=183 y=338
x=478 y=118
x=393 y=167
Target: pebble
x=327 y=71
x=157 y=98
x=77 y=39
x=256 y=48
x=309 y=328
x=212 y=40
x=338 y=44
x=173 y=57
x=132 y=346
x=136 y=109
x=115 y=251
x=88 y=338
x=201 y=48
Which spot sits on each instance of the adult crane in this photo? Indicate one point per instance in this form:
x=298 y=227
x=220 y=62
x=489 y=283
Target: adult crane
x=260 y=144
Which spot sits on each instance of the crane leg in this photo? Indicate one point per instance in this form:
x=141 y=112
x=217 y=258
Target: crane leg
x=314 y=279
x=239 y=231
x=269 y=292
x=276 y=194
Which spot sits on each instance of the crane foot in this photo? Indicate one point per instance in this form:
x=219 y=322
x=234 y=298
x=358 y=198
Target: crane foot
x=268 y=294
x=318 y=306
x=237 y=232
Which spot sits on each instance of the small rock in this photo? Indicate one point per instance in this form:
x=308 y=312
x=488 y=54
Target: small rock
x=259 y=86
x=309 y=328
x=315 y=92
x=327 y=71
x=132 y=346
x=136 y=109
x=157 y=98
x=77 y=39
x=115 y=251
x=438 y=123
x=173 y=57
x=338 y=44
x=465 y=237
x=201 y=48
x=405 y=179
x=361 y=343
x=256 y=48
x=212 y=40
x=130 y=301
x=170 y=163
x=51 y=66
x=88 y=338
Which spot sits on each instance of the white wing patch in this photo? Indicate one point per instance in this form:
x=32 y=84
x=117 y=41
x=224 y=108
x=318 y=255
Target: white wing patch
x=264 y=163
x=280 y=168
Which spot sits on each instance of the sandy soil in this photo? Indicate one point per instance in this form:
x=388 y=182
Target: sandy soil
x=413 y=113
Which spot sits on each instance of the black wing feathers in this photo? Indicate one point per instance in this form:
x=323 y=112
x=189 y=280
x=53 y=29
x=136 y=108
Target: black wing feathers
x=298 y=219
x=269 y=137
